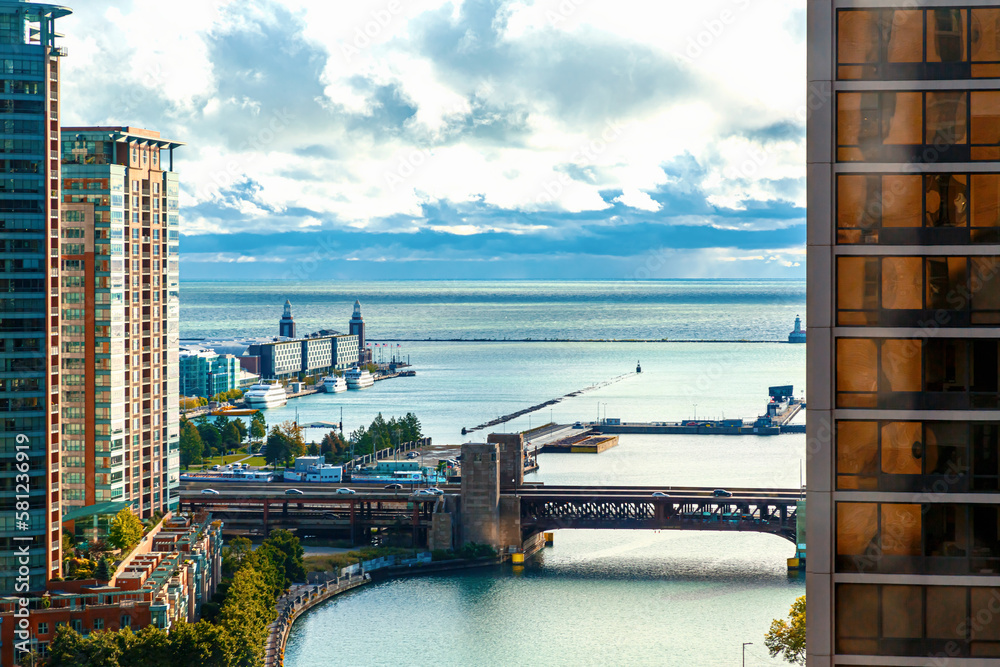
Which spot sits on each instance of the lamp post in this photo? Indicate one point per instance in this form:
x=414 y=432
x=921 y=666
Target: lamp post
x=745 y=644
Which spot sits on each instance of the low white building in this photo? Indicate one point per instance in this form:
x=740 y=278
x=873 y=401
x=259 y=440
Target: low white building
x=313 y=469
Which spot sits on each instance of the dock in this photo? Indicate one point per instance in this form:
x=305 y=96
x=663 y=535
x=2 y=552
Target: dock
x=587 y=442
x=779 y=413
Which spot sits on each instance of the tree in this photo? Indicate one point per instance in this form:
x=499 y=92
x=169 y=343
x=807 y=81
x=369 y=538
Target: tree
x=201 y=643
x=190 y=445
x=231 y=436
x=211 y=438
x=245 y=615
x=789 y=639
x=295 y=437
x=332 y=444
x=68 y=648
x=258 y=426
x=313 y=449
x=221 y=422
x=234 y=553
x=292 y=552
x=241 y=427
x=278 y=448
x=103 y=571
x=125 y=531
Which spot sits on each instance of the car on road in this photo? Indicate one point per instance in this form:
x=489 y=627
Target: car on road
x=210 y=491
x=294 y=492
x=578 y=425
x=421 y=492
x=411 y=455
x=434 y=491
x=216 y=467
x=660 y=494
x=345 y=491
x=393 y=486
x=722 y=493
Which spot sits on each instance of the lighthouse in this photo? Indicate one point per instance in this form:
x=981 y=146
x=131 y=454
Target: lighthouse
x=797 y=336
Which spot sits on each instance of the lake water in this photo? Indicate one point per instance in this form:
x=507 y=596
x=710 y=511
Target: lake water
x=595 y=597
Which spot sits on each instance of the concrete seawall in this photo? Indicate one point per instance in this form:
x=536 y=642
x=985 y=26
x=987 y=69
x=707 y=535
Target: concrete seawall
x=297 y=602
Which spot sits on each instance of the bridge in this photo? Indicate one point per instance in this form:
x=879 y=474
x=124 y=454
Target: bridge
x=493 y=505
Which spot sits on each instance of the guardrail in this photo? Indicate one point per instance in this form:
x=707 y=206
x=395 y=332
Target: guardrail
x=295 y=603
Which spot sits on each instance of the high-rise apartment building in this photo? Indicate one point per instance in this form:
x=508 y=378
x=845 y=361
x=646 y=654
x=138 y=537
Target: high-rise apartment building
x=29 y=310
x=120 y=345
x=904 y=333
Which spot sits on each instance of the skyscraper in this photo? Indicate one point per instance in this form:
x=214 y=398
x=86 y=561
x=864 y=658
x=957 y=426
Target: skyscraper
x=904 y=323
x=29 y=281
x=120 y=319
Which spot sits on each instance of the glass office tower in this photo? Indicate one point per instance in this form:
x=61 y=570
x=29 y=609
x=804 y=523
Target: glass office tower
x=904 y=329
x=29 y=305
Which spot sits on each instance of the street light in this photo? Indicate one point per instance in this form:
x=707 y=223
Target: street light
x=745 y=644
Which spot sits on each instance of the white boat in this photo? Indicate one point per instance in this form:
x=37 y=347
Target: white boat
x=334 y=384
x=265 y=395
x=358 y=378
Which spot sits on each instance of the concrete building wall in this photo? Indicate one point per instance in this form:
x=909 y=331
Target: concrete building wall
x=480 y=494
x=511 y=449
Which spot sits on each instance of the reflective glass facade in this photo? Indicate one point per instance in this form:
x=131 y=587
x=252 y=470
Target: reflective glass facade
x=904 y=338
x=30 y=314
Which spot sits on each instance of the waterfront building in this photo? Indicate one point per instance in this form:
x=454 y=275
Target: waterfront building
x=903 y=308
x=314 y=469
x=286 y=326
x=30 y=109
x=120 y=417
x=797 y=335
x=205 y=373
x=314 y=355
x=165 y=580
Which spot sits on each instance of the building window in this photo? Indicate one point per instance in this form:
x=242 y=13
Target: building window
x=126 y=621
x=43 y=628
x=98 y=623
x=873 y=619
x=909 y=126
x=911 y=291
x=899 y=44
x=916 y=374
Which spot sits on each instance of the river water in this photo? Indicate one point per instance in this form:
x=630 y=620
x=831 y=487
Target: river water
x=595 y=597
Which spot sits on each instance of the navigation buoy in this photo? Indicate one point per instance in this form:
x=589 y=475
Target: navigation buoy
x=638 y=367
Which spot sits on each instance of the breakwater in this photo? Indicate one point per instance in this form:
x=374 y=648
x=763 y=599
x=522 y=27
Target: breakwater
x=540 y=406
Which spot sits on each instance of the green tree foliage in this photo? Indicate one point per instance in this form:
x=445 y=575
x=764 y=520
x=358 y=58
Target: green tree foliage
x=201 y=644
x=191 y=445
x=231 y=436
x=290 y=562
x=233 y=555
x=278 y=447
x=241 y=427
x=245 y=615
x=103 y=571
x=231 y=395
x=125 y=531
x=788 y=639
x=332 y=446
x=210 y=438
x=258 y=426
x=221 y=422
x=382 y=434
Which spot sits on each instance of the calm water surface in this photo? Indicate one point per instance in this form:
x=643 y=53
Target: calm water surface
x=595 y=597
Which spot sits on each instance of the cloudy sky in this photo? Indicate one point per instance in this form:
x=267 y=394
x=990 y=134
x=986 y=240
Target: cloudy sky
x=612 y=139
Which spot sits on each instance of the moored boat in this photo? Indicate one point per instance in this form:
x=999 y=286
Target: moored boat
x=266 y=395
x=358 y=378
